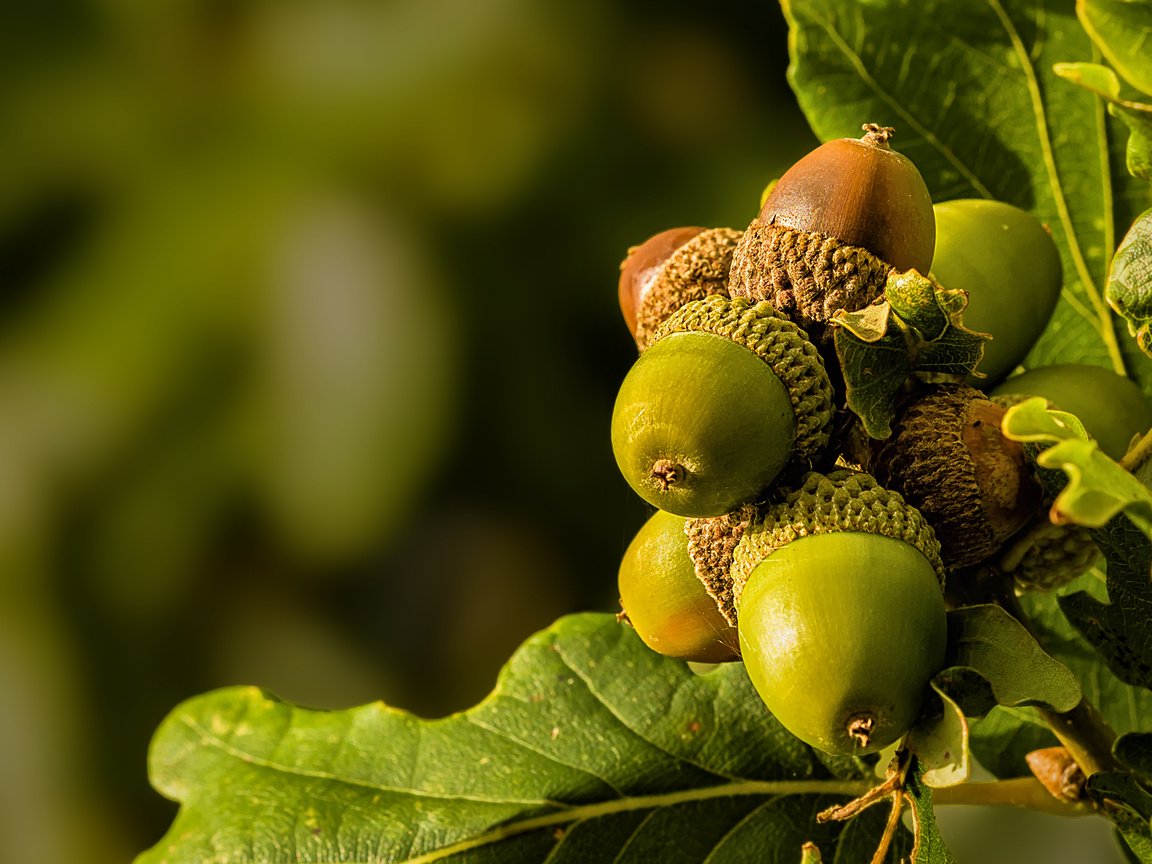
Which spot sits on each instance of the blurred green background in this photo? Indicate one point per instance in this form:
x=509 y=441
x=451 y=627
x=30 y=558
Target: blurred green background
x=308 y=348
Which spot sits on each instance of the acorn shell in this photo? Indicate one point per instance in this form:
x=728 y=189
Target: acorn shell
x=840 y=634
x=832 y=228
x=863 y=193
x=782 y=346
x=1112 y=407
x=1009 y=266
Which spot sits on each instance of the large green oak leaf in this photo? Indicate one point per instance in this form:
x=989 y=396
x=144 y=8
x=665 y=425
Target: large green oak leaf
x=592 y=748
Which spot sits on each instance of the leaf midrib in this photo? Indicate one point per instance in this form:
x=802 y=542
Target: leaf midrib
x=1103 y=317
x=563 y=816
x=770 y=788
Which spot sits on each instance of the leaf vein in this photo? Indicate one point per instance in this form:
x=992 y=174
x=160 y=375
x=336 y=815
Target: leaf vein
x=208 y=737
x=551 y=757
x=1102 y=320
x=635 y=733
x=857 y=63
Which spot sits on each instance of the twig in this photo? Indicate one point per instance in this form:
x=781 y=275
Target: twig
x=1140 y=453
x=1026 y=792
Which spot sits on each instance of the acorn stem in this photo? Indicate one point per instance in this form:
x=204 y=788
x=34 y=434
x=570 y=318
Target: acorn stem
x=877 y=135
x=860 y=728
x=666 y=473
x=889 y=829
x=1025 y=792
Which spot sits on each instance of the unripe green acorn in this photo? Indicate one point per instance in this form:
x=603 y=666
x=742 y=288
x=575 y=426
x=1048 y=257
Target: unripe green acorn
x=833 y=227
x=1008 y=263
x=669 y=269
x=665 y=602
x=949 y=459
x=841 y=613
x=727 y=396
x=1112 y=407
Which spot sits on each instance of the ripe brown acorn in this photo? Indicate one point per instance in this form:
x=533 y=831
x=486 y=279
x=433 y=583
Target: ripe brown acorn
x=949 y=460
x=669 y=269
x=833 y=227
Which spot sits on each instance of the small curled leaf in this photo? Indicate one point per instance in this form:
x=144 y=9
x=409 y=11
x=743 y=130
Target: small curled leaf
x=1137 y=116
x=914 y=331
x=986 y=642
x=940 y=742
x=1129 y=289
x=1098 y=488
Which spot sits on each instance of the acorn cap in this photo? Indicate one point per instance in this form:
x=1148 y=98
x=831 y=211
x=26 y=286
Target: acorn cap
x=779 y=343
x=949 y=459
x=711 y=545
x=1058 y=554
x=695 y=269
x=842 y=500
x=806 y=275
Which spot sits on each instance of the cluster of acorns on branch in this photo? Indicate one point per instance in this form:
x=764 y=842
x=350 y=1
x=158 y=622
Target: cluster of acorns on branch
x=785 y=535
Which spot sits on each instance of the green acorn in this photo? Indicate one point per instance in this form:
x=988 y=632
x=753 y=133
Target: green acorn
x=664 y=600
x=728 y=395
x=842 y=622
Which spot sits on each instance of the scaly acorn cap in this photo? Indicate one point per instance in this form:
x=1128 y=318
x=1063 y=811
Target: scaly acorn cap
x=842 y=500
x=1058 y=554
x=695 y=269
x=789 y=353
x=949 y=459
x=711 y=544
x=805 y=274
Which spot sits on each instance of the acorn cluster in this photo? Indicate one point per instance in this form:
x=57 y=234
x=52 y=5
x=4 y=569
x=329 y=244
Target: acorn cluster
x=783 y=535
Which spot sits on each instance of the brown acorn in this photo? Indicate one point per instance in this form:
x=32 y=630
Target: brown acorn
x=949 y=459
x=832 y=229
x=669 y=269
